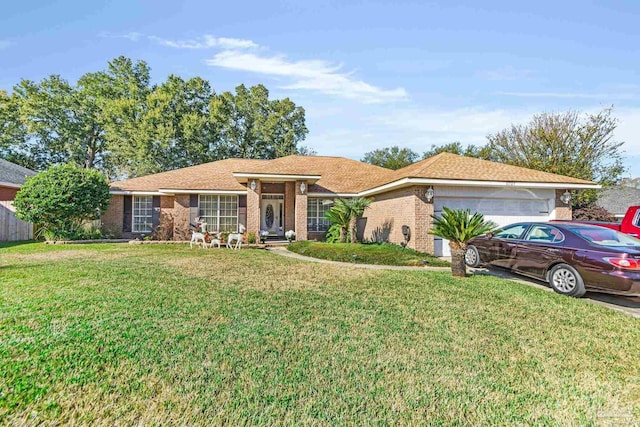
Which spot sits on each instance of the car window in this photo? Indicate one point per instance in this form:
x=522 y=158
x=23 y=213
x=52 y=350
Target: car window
x=605 y=236
x=544 y=234
x=513 y=232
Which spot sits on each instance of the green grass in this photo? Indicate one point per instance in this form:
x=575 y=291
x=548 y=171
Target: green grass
x=156 y=335
x=383 y=254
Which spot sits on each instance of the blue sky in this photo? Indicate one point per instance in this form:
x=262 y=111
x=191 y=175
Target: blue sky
x=369 y=74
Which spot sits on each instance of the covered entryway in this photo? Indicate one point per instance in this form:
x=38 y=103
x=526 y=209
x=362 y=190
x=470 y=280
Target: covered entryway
x=501 y=205
x=272 y=214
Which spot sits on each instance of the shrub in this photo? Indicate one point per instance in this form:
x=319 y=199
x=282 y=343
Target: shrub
x=594 y=213
x=252 y=238
x=61 y=199
x=333 y=234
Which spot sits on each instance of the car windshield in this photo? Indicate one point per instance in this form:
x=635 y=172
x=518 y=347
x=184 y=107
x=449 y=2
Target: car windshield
x=605 y=236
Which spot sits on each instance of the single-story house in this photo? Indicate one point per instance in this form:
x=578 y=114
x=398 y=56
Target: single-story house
x=618 y=199
x=12 y=177
x=294 y=192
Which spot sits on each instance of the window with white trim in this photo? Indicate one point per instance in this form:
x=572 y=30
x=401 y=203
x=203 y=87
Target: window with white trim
x=219 y=212
x=315 y=215
x=142 y=214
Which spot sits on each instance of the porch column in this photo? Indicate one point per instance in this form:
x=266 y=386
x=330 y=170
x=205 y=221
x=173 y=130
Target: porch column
x=253 y=207
x=289 y=206
x=301 y=211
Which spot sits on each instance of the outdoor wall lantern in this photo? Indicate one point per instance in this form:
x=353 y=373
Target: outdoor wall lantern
x=429 y=194
x=253 y=185
x=566 y=197
x=303 y=187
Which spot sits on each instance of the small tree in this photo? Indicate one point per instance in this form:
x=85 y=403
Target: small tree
x=458 y=227
x=356 y=206
x=62 y=198
x=594 y=213
x=340 y=215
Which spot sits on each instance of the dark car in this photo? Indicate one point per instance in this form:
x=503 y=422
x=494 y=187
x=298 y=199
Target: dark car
x=571 y=257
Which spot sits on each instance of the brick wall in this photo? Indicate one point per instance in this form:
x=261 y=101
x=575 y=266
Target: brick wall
x=563 y=210
x=301 y=212
x=253 y=208
x=181 y=217
x=113 y=217
x=8 y=193
x=289 y=206
x=390 y=211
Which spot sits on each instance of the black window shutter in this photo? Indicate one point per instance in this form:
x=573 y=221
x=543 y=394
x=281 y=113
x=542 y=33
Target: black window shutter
x=128 y=212
x=193 y=207
x=155 y=218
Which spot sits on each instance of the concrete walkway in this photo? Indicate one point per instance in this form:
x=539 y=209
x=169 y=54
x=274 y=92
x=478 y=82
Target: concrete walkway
x=627 y=305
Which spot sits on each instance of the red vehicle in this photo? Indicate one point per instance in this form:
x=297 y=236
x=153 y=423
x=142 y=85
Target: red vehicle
x=630 y=224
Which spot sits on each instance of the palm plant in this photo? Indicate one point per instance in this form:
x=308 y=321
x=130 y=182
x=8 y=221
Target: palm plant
x=340 y=215
x=459 y=227
x=357 y=206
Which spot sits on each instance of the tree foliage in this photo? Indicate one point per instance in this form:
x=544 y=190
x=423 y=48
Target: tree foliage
x=356 y=207
x=116 y=121
x=391 y=157
x=339 y=215
x=565 y=144
x=62 y=198
x=454 y=148
x=459 y=227
x=594 y=213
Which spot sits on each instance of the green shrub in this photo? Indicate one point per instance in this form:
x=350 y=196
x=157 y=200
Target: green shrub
x=333 y=234
x=61 y=199
x=252 y=238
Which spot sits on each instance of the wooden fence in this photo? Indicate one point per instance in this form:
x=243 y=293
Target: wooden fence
x=12 y=228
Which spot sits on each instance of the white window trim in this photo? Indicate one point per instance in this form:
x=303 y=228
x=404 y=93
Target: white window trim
x=134 y=216
x=318 y=218
x=218 y=217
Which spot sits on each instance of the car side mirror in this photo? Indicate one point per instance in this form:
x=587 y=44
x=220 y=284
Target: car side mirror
x=490 y=235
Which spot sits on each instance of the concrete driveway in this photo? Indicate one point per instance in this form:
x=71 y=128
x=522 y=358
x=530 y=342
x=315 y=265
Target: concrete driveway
x=628 y=305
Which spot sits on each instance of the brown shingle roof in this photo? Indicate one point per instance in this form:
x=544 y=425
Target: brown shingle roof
x=207 y=176
x=339 y=174
x=453 y=166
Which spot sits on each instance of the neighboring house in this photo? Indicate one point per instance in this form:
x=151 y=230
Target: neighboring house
x=12 y=177
x=294 y=192
x=618 y=199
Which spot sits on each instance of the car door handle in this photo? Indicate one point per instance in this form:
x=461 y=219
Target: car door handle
x=553 y=249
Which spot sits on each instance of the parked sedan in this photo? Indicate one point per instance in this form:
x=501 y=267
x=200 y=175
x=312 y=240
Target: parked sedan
x=571 y=257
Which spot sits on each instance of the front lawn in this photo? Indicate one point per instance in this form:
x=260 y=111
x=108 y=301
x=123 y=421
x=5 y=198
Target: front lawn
x=157 y=335
x=384 y=253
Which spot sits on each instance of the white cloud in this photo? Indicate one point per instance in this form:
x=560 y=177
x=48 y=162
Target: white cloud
x=571 y=95
x=206 y=42
x=5 y=44
x=314 y=75
x=131 y=36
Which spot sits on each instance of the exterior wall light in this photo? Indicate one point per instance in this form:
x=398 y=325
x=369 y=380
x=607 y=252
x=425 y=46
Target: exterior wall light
x=253 y=185
x=429 y=194
x=303 y=187
x=566 y=197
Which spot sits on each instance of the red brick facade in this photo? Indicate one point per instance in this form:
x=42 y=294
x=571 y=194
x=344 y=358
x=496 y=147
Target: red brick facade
x=301 y=212
x=563 y=210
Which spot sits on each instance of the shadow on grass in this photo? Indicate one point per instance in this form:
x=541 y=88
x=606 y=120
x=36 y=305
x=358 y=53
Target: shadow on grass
x=4 y=245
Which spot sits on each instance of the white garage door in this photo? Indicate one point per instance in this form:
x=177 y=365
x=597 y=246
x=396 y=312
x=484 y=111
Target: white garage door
x=502 y=211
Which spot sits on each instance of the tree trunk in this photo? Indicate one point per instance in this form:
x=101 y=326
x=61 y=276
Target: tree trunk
x=343 y=235
x=353 y=225
x=458 y=266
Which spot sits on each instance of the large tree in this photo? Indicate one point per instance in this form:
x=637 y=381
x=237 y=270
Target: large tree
x=391 y=157
x=116 y=121
x=566 y=144
x=455 y=148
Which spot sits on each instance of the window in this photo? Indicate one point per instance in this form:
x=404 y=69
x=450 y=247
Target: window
x=544 y=234
x=142 y=214
x=605 y=236
x=513 y=232
x=219 y=212
x=315 y=215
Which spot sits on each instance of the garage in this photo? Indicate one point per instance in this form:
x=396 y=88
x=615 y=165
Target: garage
x=501 y=205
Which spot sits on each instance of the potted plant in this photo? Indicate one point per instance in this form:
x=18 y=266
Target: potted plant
x=263 y=236
x=290 y=235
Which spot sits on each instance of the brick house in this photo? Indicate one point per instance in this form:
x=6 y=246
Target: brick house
x=294 y=192
x=12 y=177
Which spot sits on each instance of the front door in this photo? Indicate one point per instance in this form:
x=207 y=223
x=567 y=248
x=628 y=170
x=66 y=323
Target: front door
x=272 y=214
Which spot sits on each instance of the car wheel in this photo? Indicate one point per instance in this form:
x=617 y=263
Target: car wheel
x=472 y=257
x=565 y=280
